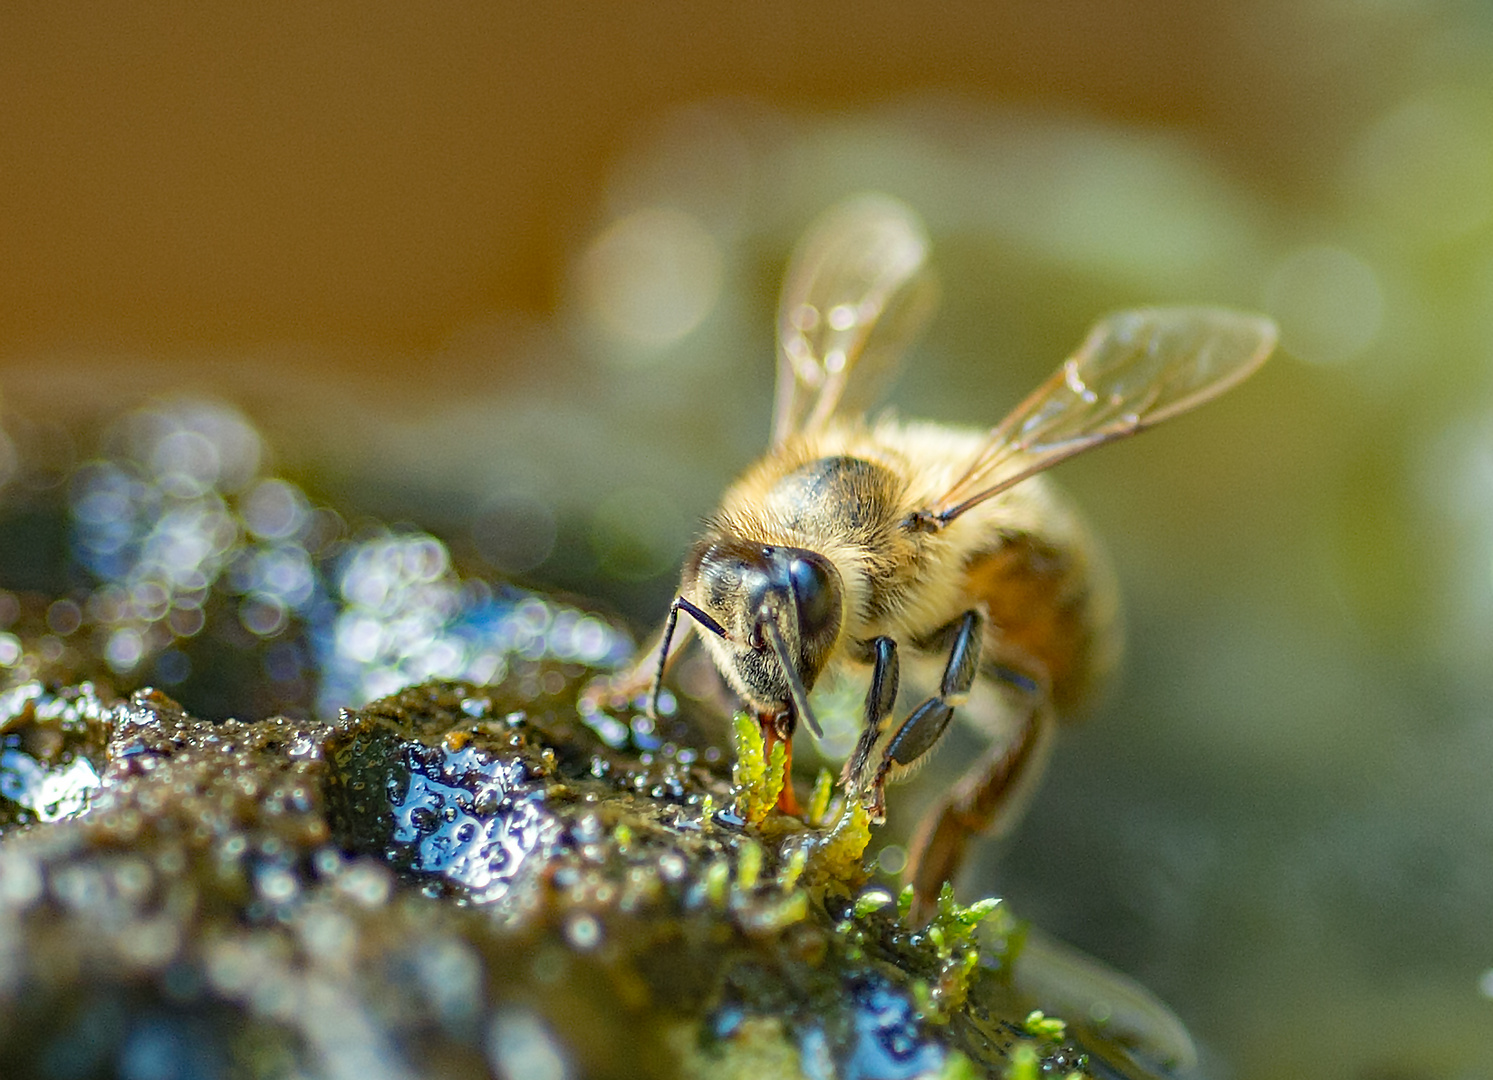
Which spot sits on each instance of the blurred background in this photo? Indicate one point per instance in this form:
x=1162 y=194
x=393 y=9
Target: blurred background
x=508 y=272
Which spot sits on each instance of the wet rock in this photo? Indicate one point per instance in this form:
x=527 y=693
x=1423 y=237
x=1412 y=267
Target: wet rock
x=51 y=753
x=461 y=881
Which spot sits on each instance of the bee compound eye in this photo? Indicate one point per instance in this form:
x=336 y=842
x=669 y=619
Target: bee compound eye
x=814 y=594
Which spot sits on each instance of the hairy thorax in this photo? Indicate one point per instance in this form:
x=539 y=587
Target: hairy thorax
x=1022 y=558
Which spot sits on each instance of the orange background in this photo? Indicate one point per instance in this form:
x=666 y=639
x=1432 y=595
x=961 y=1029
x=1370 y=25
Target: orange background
x=346 y=176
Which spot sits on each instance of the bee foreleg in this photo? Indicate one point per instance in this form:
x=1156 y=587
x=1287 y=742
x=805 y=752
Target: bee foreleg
x=634 y=685
x=986 y=800
x=644 y=679
x=920 y=731
x=881 y=696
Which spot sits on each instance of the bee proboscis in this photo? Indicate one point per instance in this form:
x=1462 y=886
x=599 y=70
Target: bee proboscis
x=875 y=545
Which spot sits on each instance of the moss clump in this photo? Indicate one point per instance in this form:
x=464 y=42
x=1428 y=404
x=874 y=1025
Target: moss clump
x=757 y=777
x=953 y=938
x=835 y=856
x=1041 y=1026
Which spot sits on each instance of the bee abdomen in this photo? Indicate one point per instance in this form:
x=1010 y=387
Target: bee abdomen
x=1041 y=609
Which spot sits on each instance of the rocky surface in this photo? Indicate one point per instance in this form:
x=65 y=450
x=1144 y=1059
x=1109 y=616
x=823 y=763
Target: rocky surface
x=460 y=881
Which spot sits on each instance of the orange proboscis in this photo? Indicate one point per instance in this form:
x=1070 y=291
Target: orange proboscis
x=787 y=799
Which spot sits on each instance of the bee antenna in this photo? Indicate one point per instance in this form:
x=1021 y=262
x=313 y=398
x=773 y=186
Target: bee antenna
x=680 y=603
x=795 y=684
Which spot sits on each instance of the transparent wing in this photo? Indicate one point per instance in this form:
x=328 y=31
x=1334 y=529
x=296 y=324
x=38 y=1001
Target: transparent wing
x=861 y=268
x=1136 y=369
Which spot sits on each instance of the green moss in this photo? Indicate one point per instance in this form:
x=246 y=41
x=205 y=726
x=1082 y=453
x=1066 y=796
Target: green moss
x=758 y=775
x=836 y=855
x=1024 y=1063
x=793 y=868
x=1042 y=1026
x=905 y=900
x=818 y=810
x=749 y=863
x=718 y=883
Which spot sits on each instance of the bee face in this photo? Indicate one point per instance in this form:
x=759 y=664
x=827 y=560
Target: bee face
x=753 y=590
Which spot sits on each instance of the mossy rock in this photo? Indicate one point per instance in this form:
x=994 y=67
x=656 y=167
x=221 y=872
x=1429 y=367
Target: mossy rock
x=463 y=881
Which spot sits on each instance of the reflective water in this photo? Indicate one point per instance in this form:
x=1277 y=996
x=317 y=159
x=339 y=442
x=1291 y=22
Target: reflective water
x=451 y=820
x=186 y=554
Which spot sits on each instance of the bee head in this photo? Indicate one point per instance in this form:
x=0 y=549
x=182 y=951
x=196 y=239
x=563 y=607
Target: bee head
x=780 y=610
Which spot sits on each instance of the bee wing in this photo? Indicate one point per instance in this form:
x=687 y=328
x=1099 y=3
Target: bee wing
x=861 y=268
x=1136 y=369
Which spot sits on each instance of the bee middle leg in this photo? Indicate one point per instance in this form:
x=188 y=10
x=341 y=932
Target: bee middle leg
x=921 y=730
x=987 y=800
x=881 y=696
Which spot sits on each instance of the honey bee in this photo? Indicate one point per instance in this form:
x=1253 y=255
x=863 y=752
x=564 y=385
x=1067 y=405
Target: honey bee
x=874 y=545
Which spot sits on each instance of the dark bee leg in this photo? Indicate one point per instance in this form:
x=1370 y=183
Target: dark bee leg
x=986 y=800
x=646 y=676
x=880 y=697
x=920 y=731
